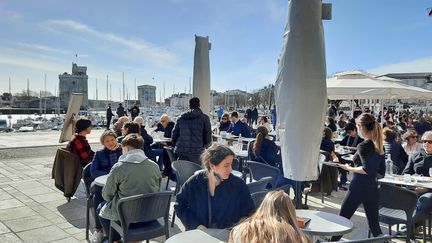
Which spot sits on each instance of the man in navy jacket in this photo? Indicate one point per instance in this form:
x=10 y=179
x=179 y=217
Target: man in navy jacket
x=192 y=133
x=239 y=127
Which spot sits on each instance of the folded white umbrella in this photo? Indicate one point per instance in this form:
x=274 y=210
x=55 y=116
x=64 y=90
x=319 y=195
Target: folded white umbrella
x=300 y=90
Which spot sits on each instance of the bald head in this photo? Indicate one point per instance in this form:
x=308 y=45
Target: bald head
x=139 y=120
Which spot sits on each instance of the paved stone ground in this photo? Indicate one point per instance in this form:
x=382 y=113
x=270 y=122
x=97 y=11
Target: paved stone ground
x=33 y=210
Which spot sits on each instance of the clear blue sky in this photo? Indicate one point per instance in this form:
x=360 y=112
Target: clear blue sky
x=146 y=39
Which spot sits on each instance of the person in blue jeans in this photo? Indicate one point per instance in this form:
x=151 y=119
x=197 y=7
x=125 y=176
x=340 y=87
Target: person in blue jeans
x=101 y=165
x=420 y=164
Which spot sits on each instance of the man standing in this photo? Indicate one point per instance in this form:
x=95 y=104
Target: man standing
x=109 y=115
x=273 y=118
x=249 y=116
x=134 y=111
x=121 y=111
x=254 y=115
x=192 y=133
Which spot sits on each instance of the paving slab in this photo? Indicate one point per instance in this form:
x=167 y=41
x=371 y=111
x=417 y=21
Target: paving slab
x=45 y=234
x=10 y=238
x=4 y=229
x=10 y=203
x=67 y=240
x=28 y=223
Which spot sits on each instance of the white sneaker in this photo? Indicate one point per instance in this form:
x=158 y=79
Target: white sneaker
x=98 y=237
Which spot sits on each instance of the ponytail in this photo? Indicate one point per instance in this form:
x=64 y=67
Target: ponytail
x=374 y=129
x=262 y=132
x=377 y=139
x=257 y=144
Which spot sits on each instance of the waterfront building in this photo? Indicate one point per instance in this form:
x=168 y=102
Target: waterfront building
x=77 y=82
x=180 y=101
x=147 y=95
x=422 y=80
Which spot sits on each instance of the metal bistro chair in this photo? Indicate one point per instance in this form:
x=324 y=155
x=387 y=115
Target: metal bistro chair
x=397 y=206
x=184 y=170
x=260 y=185
x=258 y=197
x=259 y=170
x=140 y=217
x=172 y=158
x=87 y=180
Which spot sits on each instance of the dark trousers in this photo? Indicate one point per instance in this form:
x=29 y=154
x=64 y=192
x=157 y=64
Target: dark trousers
x=108 y=123
x=370 y=201
x=196 y=158
x=159 y=153
x=97 y=199
x=106 y=224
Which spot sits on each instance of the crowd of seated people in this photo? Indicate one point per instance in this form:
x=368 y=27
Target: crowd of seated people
x=206 y=200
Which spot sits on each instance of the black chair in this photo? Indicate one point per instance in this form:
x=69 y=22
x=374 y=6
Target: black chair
x=397 y=206
x=259 y=170
x=172 y=157
x=140 y=217
x=379 y=239
x=258 y=186
x=87 y=180
x=183 y=170
x=258 y=197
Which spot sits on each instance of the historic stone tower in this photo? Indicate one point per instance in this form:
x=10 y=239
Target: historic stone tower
x=73 y=83
x=147 y=95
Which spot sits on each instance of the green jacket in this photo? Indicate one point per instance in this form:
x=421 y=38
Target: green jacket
x=133 y=174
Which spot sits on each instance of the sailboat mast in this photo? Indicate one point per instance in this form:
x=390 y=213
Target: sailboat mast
x=123 y=87
x=45 y=96
x=107 y=88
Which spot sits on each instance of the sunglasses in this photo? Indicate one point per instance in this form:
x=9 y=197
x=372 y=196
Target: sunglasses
x=414 y=137
x=427 y=141
x=224 y=119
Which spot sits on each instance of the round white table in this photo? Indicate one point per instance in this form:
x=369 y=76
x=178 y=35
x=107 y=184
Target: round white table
x=193 y=236
x=325 y=224
x=162 y=140
x=101 y=180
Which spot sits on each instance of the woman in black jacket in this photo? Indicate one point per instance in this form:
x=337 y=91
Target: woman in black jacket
x=214 y=198
x=225 y=123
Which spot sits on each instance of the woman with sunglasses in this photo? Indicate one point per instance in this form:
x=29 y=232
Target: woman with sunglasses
x=225 y=123
x=369 y=162
x=411 y=146
x=421 y=164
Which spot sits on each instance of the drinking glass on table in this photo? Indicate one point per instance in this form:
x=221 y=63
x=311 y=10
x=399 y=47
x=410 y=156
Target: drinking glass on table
x=430 y=172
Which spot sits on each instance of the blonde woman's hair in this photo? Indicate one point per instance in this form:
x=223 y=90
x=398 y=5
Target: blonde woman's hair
x=274 y=221
x=107 y=134
x=409 y=133
x=372 y=127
